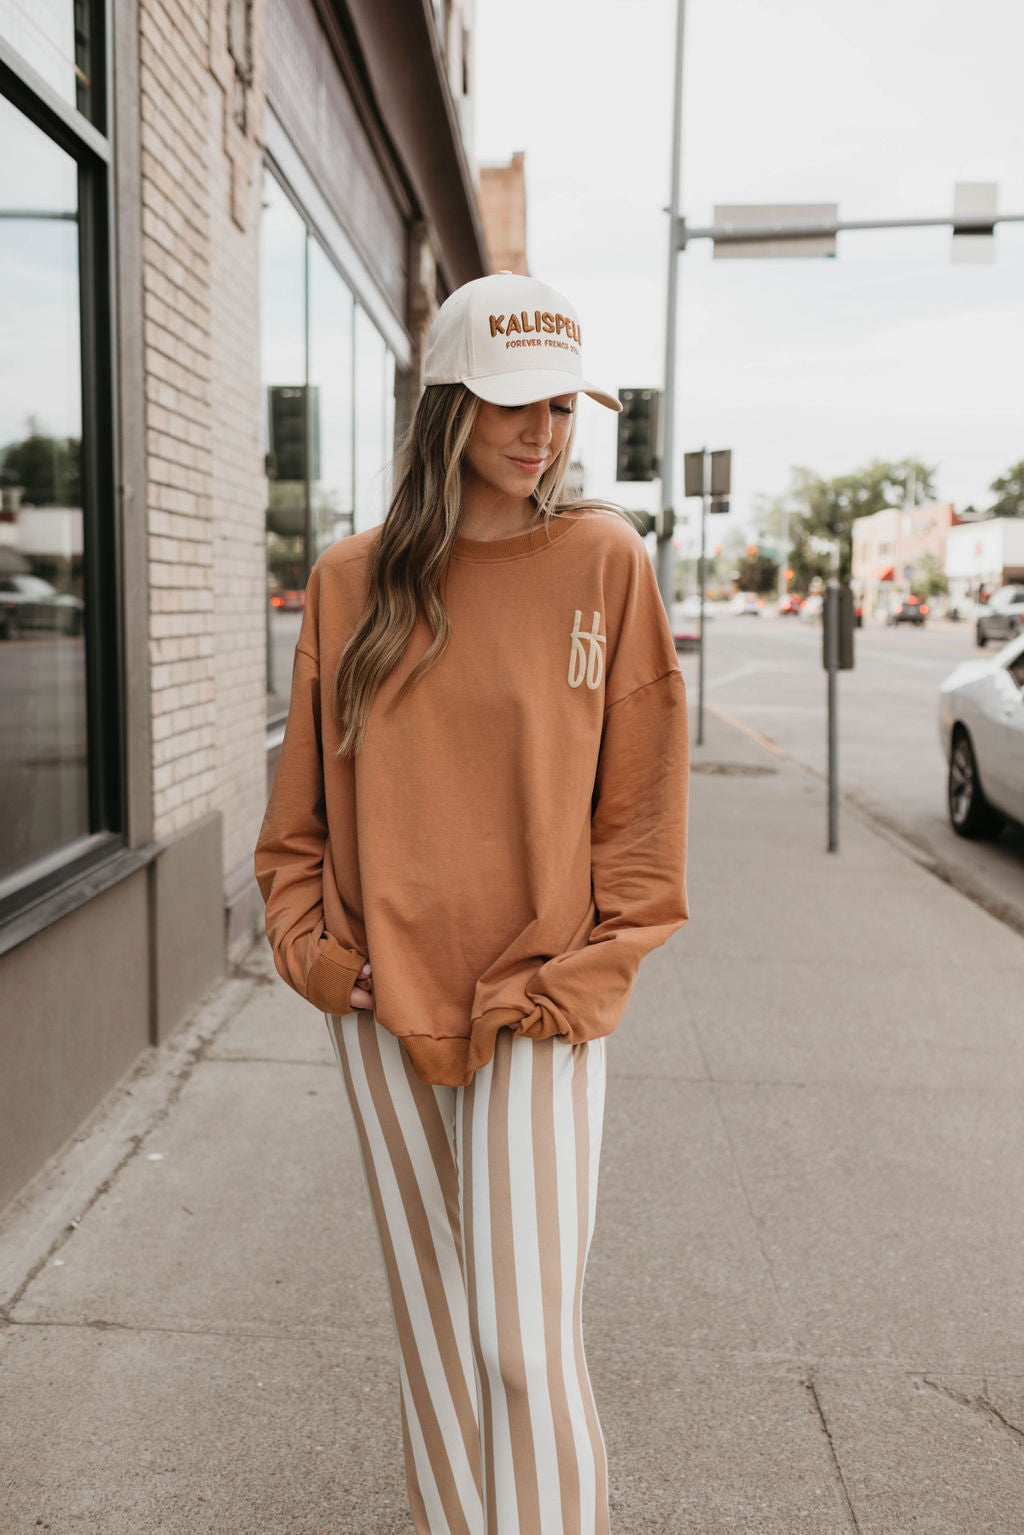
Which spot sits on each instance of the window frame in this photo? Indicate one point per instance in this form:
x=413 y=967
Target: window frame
x=314 y=233
x=48 y=887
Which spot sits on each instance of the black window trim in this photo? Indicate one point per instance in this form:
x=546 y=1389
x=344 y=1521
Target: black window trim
x=47 y=888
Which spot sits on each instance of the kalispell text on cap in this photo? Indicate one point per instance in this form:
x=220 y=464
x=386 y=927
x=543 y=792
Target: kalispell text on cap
x=511 y=340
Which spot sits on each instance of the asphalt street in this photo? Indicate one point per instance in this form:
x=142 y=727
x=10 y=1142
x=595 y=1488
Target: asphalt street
x=766 y=673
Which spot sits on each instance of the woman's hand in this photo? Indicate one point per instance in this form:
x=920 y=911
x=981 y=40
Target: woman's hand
x=362 y=992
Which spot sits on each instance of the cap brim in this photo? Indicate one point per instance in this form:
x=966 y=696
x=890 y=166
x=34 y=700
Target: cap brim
x=523 y=388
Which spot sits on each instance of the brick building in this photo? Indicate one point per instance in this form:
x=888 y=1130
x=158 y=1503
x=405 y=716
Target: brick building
x=228 y=226
x=894 y=548
x=503 y=205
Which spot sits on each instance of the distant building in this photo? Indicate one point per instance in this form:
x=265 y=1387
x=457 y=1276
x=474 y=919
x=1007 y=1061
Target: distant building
x=983 y=555
x=892 y=549
x=503 y=209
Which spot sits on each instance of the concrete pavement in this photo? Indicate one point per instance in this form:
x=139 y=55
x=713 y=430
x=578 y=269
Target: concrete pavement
x=804 y=1299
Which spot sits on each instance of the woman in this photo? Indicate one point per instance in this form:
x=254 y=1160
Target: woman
x=476 y=831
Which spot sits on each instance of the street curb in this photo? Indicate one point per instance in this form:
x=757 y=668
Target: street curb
x=876 y=820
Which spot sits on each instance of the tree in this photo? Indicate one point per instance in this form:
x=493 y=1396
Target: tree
x=816 y=508
x=48 y=469
x=830 y=507
x=929 y=578
x=807 y=564
x=758 y=573
x=1009 y=491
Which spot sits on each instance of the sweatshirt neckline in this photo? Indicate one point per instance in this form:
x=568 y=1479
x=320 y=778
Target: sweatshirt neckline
x=532 y=541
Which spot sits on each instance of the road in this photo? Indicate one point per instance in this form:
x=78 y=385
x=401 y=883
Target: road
x=767 y=674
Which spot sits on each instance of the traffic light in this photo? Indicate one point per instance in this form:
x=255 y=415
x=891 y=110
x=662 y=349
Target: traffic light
x=637 y=456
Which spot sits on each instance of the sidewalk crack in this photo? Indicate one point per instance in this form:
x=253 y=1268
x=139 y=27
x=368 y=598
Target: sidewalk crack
x=812 y=1390
x=978 y=1403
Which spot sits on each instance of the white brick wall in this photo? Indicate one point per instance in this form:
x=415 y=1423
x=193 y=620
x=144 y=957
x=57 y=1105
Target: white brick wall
x=205 y=499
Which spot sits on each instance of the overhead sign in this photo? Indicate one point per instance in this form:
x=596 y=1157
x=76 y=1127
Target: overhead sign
x=974 y=201
x=732 y=220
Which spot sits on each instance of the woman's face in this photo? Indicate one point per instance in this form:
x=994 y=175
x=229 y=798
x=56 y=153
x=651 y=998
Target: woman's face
x=512 y=445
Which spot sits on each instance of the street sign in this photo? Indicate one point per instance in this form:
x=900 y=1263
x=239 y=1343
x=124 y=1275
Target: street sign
x=974 y=200
x=721 y=472
x=838 y=609
x=730 y=243
x=693 y=474
x=718 y=486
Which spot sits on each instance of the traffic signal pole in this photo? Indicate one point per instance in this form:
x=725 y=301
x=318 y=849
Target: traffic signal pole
x=702 y=580
x=665 y=562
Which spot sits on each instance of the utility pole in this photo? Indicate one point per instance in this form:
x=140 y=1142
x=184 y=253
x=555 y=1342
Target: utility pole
x=665 y=560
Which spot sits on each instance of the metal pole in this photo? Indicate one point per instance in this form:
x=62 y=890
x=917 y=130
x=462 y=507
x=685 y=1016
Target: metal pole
x=803 y=229
x=701 y=581
x=782 y=583
x=831 y=617
x=665 y=562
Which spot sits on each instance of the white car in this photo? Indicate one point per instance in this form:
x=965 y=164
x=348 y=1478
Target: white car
x=810 y=608
x=1002 y=617
x=747 y=602
x=981 y=725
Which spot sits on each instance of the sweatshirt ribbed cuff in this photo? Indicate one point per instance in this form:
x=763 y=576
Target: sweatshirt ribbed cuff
x=332 y=976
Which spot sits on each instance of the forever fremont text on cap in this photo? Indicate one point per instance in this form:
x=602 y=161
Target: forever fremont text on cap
x=511 y=340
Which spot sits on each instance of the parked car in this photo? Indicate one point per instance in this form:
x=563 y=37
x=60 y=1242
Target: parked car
x=689 y=608
x=790 y=603
x=685 y=637
x=29 y=602
x=1002 y=616
x=747 y=602
x=912 y=610
x=288 y=600
x=810 y=608
x=981 y=726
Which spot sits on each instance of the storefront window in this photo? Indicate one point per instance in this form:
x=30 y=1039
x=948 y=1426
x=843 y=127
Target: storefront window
x=53 y=37
x=283 y=345
x=329 y=384
x=330 y=375
x=375 y=422
x=44 y=773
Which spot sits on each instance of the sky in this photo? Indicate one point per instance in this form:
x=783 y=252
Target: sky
x=891 y=349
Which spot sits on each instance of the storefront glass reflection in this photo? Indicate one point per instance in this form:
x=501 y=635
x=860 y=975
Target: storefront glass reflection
x=45 y=33
x=43 y=745
x=329 y=383
x=283 y=344
x=375 y=422
x=330 y=376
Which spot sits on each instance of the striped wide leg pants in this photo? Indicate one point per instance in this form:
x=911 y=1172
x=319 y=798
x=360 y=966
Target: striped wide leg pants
x=484 y=1198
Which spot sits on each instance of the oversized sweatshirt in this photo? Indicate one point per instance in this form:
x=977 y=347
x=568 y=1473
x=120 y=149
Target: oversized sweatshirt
x=510 y=839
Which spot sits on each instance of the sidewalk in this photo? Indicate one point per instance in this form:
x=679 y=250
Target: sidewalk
x=803 y=1305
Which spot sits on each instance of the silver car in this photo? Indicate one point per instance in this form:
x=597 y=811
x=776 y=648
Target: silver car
x=981 y=725
x=1002 y=617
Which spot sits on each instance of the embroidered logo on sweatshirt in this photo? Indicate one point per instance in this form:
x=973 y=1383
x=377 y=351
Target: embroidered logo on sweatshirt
x=586 y=658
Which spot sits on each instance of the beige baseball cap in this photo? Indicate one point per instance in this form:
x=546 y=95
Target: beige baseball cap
x=511 y=340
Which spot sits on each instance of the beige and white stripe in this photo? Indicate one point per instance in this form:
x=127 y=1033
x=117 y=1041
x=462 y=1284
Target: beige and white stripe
x=485 y=1199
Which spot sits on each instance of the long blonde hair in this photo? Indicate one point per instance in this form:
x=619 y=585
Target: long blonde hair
x=410 y=559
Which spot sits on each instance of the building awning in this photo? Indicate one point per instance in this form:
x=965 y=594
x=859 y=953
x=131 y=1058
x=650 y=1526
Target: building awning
x=883 y=573
x=407 y=73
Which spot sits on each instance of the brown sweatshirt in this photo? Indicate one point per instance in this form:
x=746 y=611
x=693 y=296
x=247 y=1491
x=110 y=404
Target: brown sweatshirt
x=510 y=841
